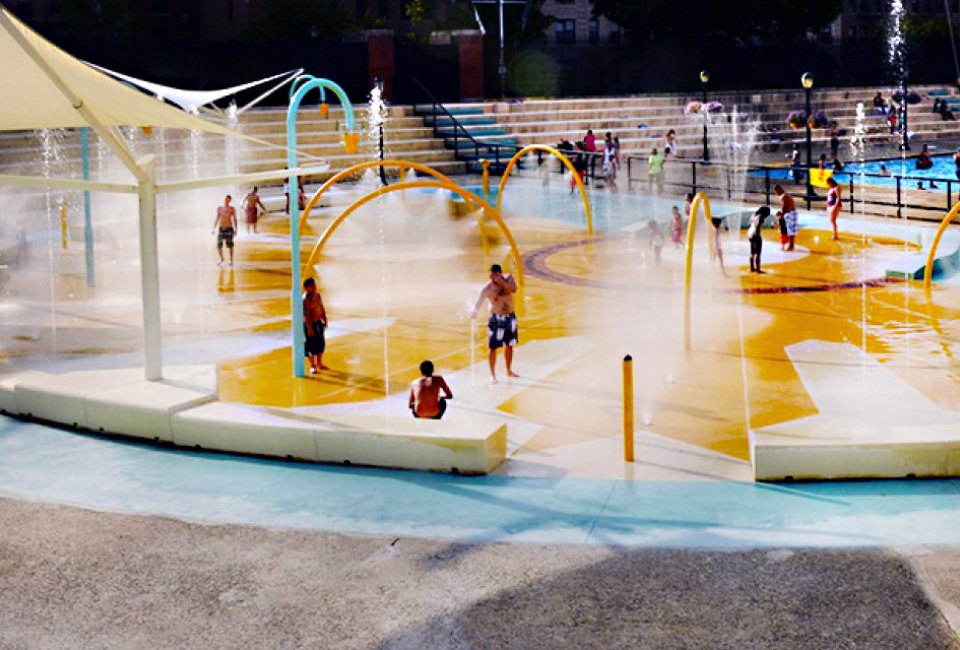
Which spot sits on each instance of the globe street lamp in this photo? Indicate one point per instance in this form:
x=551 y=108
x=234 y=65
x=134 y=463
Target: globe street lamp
x=704 y=80
x=807 y=81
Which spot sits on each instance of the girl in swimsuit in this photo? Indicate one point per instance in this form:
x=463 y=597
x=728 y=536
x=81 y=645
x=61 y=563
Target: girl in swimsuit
x=834 y=205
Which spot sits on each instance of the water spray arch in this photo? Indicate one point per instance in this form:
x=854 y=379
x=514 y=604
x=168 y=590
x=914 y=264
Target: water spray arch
x=931 y=256
x=698 y=200
x=402 y=165
x=427 y=184
x=298 y=91
x=563 y=159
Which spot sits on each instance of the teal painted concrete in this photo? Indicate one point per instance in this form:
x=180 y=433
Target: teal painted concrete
x=51 y=465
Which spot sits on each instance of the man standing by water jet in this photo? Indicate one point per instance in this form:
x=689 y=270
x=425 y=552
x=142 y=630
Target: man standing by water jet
x=499 y=291
x=225 y=227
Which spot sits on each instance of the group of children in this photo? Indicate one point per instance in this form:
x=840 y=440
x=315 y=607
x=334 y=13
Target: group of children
x=786 y=220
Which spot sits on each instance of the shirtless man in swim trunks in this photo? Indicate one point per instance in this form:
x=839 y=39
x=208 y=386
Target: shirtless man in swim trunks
x=225 y=227
x=252 y=206
x=499 y=291
x=789 y=209
x=425 y=400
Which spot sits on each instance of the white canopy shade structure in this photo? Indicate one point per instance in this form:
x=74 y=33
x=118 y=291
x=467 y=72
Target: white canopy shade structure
x=193 y=100
x=46 y=88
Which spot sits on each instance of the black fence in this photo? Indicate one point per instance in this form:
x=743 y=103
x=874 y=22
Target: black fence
x=864 y=193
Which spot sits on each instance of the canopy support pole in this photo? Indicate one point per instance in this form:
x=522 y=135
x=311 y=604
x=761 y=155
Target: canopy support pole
x=150 y=271
x=87 y=220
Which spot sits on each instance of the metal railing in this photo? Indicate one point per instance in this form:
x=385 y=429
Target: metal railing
x=695 y=175
x=498 y=154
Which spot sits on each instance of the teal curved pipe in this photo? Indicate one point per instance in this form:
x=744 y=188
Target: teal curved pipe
x=299 y=89
x=324 y=84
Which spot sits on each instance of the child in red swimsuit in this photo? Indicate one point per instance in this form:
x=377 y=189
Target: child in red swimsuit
x=677 y=233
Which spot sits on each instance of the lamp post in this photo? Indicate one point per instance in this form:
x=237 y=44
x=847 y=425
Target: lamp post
x=704 y=80
x=378 y=82
x=807 y=81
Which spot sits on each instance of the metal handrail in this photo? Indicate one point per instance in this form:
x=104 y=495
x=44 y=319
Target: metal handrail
x=901 y=183
x=458 y=128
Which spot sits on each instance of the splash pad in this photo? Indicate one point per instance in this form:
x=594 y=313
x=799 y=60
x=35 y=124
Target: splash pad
x=403 y=267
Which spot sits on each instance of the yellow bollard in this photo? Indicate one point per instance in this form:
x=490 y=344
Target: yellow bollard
x=63 y=225
x=628 y=408
x=485 y=164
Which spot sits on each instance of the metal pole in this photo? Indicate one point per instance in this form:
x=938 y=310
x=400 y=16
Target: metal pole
x=628 y=409
x=293 y=185
x=502 y=65
x=703 y=109
x=905 y=117
x=293 y=192
x=693 y=173
x=150 y=270
x=87 y=220
x=766 y=183
x=899 y=211
x=809 y=116
x=383 y=171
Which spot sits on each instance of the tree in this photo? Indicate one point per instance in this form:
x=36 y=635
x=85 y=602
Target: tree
x=709 y=19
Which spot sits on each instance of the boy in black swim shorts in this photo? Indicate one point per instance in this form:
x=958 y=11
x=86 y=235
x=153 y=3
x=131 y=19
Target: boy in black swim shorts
x=314 y=323
x=225 y=227
x=504 y=333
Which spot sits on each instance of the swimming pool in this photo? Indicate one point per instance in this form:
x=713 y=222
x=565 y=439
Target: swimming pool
x=943 y=170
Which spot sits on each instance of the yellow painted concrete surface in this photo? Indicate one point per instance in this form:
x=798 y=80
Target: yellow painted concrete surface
x=403 y=286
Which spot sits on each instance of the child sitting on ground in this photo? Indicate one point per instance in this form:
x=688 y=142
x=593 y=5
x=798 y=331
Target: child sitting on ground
x=425 y=400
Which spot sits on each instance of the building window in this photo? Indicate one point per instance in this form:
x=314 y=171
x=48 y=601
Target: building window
x=616 y=36
x=851 y=32
x=566 y=31
x=594 y=31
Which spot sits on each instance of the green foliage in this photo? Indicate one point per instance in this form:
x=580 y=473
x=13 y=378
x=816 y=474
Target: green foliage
x=698 y=19
x=925 y=28
x=329 y=19
x=416 y=12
